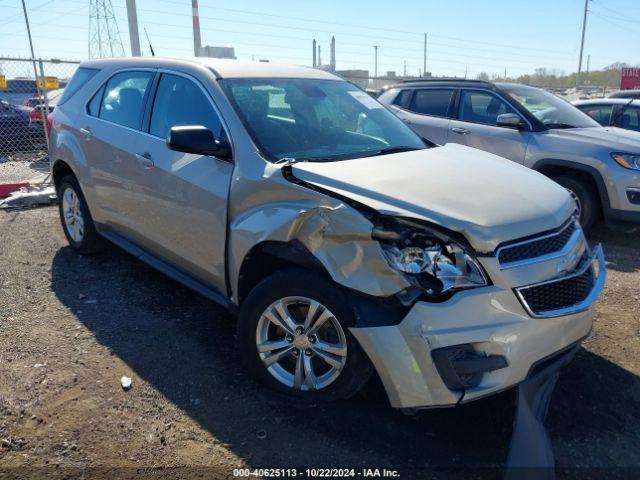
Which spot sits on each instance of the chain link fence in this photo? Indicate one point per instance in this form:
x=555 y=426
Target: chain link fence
x=29 y=92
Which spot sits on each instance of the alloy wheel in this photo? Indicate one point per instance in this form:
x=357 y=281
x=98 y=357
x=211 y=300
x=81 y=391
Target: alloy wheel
x=301 y=343
x=576 y=199
x=72 y=214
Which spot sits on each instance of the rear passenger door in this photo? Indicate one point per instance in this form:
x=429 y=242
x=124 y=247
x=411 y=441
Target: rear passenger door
x=182 y=210
x=426 y=111
x=475 y=125
x=109 y=132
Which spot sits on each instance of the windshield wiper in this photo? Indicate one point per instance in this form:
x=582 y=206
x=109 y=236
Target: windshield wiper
x=288 y=160
x=389 y=150
x=559 y=125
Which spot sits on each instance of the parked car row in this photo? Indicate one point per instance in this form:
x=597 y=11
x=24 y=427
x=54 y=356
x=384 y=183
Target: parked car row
x=346 y=243
x=17 y=130
x=21 y=125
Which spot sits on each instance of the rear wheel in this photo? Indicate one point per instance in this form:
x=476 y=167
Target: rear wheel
x=585 y=196
x=294 y=336
x=75 y=217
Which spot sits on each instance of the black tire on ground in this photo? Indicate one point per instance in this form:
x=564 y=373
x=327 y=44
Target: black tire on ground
x=91 y=241
x=299 y=282
x=586 y=195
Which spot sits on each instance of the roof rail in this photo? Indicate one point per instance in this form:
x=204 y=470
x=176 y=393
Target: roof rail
x=445 y=79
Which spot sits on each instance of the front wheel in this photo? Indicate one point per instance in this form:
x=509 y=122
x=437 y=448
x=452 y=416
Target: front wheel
x=585 y=197
x=294 y=336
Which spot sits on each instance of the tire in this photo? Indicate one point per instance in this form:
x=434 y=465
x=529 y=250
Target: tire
x=297 y=286
x=586 y=197
x=80 y=230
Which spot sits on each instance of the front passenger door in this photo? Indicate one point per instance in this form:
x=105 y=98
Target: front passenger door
x=476 y=127
x=183 y=208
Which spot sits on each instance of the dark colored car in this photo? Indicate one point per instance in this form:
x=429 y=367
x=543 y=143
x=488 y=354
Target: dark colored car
x=613 y=112
x=16 y=131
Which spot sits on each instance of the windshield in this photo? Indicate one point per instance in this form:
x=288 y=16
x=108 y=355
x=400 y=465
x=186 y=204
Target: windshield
x=549 y=109
x=310 y=119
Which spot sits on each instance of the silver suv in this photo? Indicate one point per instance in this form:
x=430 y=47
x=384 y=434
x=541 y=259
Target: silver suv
x=599 y=166
x=345 y=244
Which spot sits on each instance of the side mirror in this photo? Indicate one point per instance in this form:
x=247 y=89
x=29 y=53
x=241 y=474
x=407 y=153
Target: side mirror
x=199 y=140
x=510 y=120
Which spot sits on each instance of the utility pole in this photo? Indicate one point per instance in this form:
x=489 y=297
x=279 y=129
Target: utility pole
x=424 y=57
x=134 y=37
x=584 y=29
x=197 y=42
x=375 y=70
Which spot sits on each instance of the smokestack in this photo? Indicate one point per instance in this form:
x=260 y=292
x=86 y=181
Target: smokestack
x=197 y=43
x=319 y=56
x=332 y=60
x=314 y=54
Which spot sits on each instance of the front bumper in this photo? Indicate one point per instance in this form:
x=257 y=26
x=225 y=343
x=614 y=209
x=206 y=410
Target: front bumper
x=492 y=320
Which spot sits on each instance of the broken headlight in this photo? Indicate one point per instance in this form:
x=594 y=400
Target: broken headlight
x=429 y=258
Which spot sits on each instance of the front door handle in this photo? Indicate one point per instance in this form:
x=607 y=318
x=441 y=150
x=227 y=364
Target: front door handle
x=86 y=133
x=145 y=160
x=461 y=131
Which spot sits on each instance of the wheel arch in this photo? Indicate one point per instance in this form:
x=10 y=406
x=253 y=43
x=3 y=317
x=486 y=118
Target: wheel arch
x=59 y=170
x=550 y=167
x=269 y=256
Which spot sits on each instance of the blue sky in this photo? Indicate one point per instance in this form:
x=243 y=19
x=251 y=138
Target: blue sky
x=487 y=35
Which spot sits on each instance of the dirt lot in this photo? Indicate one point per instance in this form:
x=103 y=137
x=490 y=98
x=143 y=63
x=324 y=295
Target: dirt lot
x=71 y=326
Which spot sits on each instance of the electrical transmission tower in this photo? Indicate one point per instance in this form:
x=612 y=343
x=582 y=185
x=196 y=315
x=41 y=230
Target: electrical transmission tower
x=104 y=34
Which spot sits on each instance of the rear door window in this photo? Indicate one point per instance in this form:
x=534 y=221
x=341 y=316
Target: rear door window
x=482 y=107
x=94 y=105
x=123 y=98
x=432 y=101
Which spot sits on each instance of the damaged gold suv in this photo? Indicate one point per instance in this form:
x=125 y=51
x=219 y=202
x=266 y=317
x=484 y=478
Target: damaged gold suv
x=347 y=244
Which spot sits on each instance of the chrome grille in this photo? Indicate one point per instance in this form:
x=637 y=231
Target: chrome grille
x=568 y=294
x=558 y=295
x=542 y=246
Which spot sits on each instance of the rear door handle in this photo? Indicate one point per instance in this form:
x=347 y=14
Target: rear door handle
x=461 y=131
x=145 y=160
x=86 y=133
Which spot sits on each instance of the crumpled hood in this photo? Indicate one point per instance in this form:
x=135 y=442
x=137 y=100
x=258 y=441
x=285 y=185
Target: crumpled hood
x=485 y=197
x=612 y=138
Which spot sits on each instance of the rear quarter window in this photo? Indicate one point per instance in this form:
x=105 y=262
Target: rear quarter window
x=403 y=99
x=82 y=76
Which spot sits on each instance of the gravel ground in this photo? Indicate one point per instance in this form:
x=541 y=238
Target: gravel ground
x=72 y=326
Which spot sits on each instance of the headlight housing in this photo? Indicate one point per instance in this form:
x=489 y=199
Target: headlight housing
x=627 y=160
x=429 y=258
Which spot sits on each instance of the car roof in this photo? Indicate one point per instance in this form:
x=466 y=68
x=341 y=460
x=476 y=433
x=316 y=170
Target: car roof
x=439 y=82
x=607 y=101
x=222 y=68
x=622 y=93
